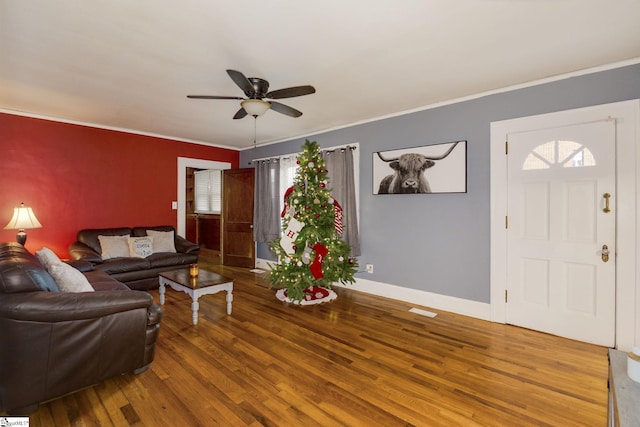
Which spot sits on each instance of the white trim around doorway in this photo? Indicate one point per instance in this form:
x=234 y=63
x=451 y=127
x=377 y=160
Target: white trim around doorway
x=183 y=164
x=627 y=117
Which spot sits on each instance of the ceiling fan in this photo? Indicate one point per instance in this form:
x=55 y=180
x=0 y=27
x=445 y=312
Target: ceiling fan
x=255 y=90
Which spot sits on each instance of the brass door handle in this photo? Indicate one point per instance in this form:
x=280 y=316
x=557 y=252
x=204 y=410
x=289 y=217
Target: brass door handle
x=605 y=253
x=606 y=196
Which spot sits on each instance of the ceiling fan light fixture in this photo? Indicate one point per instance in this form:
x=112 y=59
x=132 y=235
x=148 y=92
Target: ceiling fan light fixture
x=255 y=107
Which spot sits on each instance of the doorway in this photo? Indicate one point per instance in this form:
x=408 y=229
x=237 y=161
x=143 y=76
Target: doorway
x=183 y=164
x=203 y=211
x=507 y=195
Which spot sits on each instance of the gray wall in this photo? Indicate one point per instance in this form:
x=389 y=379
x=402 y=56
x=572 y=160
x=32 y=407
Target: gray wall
x=440 y=242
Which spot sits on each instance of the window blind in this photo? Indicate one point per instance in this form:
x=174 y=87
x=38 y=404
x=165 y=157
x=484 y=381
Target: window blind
x=208 y=190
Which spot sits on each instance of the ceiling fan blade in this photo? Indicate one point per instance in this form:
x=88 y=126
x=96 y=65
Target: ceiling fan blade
x=242 y=82
x=284 y=109
x=291 y=92
x=213 y=97
x=240 y=114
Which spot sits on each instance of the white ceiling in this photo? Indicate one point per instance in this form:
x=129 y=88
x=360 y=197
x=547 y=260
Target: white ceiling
x=129 y=64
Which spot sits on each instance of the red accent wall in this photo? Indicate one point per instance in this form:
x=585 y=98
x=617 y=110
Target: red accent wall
x=77 y=177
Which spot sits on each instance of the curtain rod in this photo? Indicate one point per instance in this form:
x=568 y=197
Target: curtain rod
x=286 y=156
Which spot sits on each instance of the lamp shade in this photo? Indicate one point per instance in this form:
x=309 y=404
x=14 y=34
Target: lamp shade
x=255 y=107
x=23 y=217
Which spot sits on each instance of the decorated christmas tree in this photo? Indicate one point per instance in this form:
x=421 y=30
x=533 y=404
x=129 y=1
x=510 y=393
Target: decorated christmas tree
x=311 y=253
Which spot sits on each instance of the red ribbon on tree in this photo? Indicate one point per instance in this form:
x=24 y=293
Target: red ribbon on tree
x=337 y=222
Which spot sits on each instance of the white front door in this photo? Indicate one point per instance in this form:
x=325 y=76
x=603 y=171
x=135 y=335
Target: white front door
x=561 y=220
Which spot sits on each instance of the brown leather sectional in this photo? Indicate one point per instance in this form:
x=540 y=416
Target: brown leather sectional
x=53 y=343
x=137 y=273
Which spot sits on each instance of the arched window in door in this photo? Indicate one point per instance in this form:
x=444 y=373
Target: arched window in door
x=565 y=154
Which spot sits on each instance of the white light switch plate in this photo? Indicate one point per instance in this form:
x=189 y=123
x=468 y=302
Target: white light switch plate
x=174 y=205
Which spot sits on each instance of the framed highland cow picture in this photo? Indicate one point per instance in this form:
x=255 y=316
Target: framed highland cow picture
x=438 y=168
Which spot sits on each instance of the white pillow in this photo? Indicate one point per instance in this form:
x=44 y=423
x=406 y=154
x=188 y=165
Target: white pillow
x=140 y=247
x=47 y=258
x=163 y=241
x=114 y=246
x=69 y=279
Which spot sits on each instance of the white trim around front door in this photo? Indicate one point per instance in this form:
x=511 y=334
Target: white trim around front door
x=627 y=118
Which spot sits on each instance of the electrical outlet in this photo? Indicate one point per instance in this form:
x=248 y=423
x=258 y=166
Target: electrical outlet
x=370 y=268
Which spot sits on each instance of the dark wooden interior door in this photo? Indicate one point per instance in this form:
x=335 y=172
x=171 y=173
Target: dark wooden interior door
x=238 y=248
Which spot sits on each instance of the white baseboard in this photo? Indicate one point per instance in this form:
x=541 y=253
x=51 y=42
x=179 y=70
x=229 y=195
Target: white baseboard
x=465 y=307
x=263 y=264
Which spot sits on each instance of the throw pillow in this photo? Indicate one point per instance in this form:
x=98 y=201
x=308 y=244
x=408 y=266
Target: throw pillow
x=47 y=258
x=114 y=246
x=163 y=241
x=140 y=247
x=69 y=279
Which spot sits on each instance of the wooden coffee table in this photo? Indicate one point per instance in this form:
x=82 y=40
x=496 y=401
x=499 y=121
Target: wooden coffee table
x=205 y=283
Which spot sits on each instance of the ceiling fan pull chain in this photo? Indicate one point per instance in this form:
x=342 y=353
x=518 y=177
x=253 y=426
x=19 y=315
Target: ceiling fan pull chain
x=255 y=130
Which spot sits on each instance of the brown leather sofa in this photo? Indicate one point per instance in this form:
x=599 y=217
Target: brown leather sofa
x=136 y=273
x=53 y=343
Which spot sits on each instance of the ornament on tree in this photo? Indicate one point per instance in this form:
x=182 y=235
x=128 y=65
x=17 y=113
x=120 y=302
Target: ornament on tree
x=306 y=255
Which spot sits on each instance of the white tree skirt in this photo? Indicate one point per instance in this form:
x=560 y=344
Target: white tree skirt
x=281 y=294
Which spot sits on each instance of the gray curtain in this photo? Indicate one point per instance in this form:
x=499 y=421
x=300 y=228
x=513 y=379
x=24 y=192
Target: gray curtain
x=266 y=214
x=339 y=163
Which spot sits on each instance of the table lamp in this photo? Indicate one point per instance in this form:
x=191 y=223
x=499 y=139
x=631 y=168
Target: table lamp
x=23 y=218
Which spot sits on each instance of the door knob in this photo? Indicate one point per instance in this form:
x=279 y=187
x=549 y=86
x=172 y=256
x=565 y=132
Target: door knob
x=605 y=253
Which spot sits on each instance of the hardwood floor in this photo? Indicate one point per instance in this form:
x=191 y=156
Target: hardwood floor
x=358 y=361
